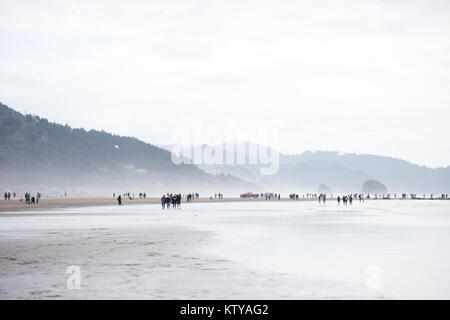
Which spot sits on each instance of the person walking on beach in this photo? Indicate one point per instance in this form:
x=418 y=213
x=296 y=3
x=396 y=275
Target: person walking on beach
x=6 y=196
x=179 y=201
x=339 y=200
x=163 y=202
x=173 y=199
x=119 y=200
x=167 y=201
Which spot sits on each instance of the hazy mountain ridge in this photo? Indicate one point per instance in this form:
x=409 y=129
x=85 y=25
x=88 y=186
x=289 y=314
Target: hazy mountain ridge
x=398 y=175
x=34 y=151
x=342 y=172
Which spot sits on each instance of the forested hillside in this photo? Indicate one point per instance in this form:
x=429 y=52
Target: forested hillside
x=35 y=152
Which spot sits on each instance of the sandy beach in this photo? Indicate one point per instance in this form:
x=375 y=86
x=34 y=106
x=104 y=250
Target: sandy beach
x=16 y=205
x=233 y=250
x=125 y=255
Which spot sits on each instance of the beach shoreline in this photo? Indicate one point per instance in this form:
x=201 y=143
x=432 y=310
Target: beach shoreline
x=158 y=260
x=16 y=205
x=139 y=254
x=257 y=250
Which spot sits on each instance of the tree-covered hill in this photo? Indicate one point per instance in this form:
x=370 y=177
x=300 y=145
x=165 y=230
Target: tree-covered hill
x=36 y=152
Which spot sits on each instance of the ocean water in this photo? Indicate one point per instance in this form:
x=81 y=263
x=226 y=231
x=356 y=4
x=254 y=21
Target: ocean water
x=383 y=249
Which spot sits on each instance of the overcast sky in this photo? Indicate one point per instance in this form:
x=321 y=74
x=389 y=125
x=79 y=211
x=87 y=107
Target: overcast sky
x=351 y=76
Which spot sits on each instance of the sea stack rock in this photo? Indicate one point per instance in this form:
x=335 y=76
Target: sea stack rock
x=373 y=186
x=324 y=189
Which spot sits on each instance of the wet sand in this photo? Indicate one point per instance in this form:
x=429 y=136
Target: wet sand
x=15 y=205
x=260 y=250
x=125 y=255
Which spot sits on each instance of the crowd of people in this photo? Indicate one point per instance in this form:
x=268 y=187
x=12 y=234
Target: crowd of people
x=130 y=196
x=29 y=199
x=174 y=200
x=167 y=201
x=191 y=196
x=270 y=196
x=171 y=199
x=348 y=199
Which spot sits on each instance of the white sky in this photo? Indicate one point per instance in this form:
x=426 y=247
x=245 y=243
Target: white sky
x=354 y=76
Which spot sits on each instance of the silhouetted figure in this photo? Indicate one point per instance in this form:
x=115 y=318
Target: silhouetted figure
x=167 y=200
x=163 y=202
x=178 y=199
x=173 y=199
x=119 y=200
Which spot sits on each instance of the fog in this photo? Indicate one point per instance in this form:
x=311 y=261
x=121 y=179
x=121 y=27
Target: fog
x=355 y=76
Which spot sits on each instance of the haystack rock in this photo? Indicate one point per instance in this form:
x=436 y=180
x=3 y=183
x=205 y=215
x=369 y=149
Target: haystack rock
x=324 y=189
x=373 y=186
